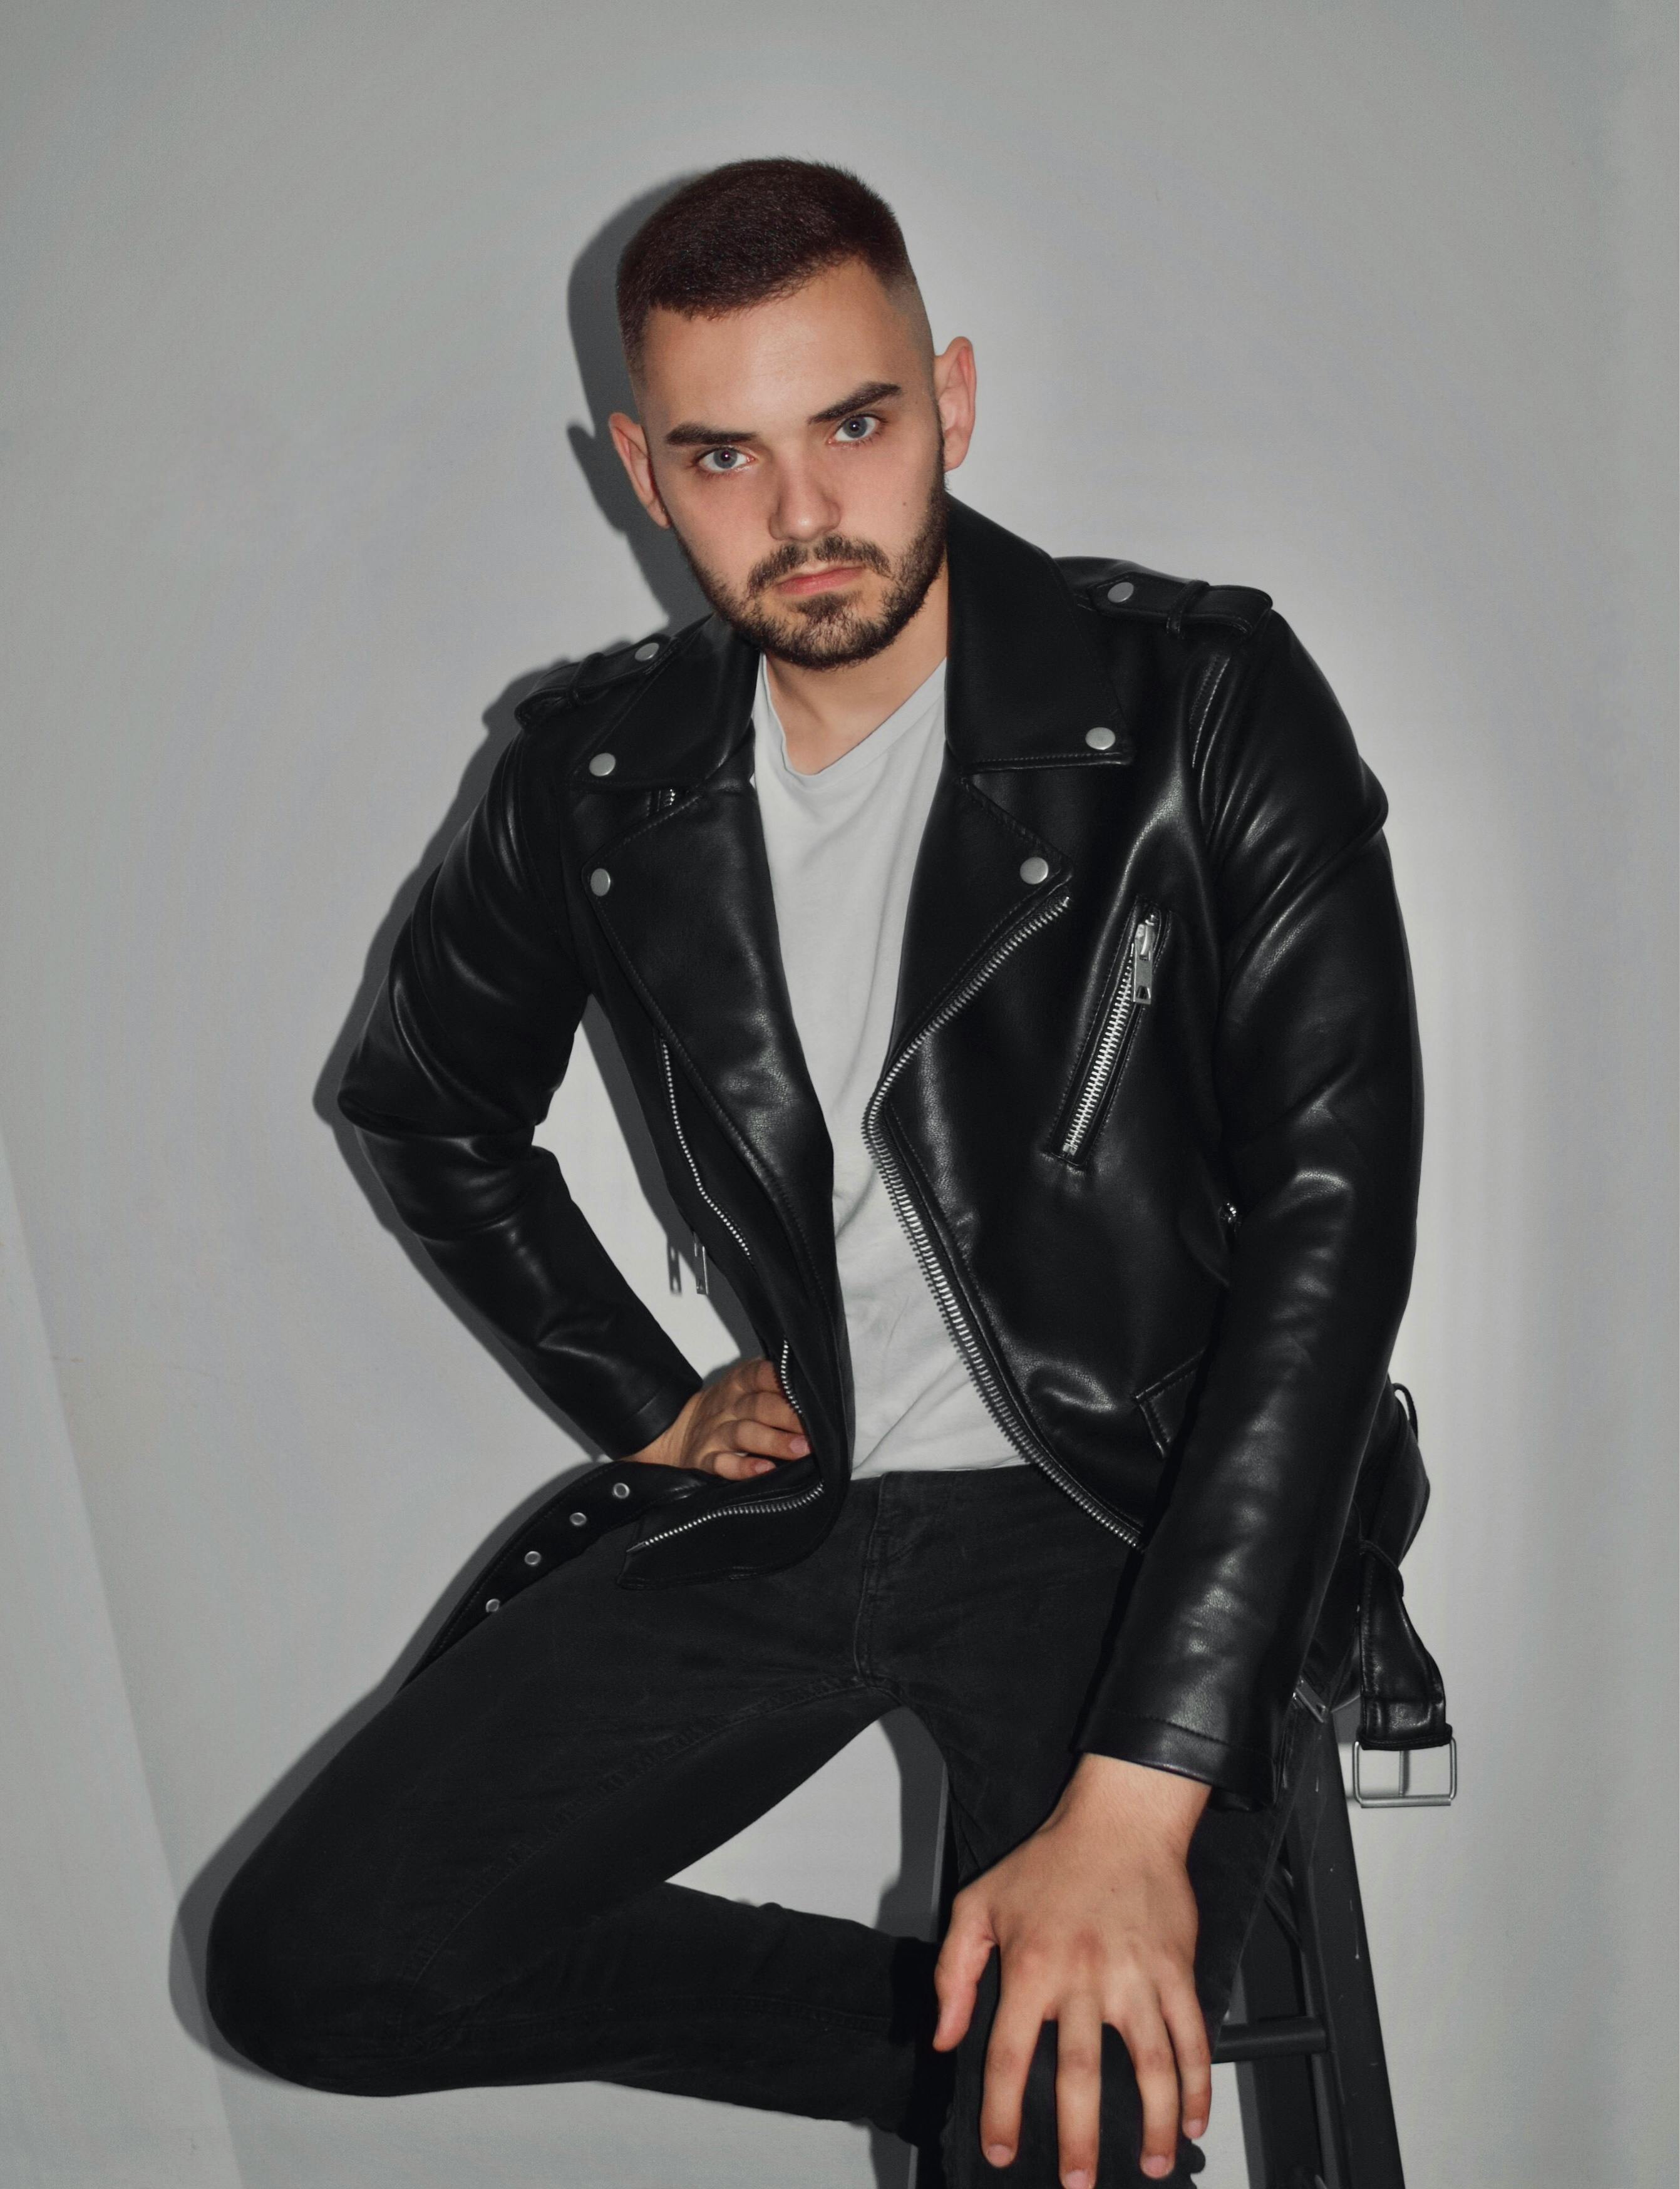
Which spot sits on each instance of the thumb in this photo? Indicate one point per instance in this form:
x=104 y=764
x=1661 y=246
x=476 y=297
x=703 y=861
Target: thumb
x=961 y=1964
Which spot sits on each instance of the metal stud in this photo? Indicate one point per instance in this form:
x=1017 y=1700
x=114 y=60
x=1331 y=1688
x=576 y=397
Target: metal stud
x=579 y=1520
x=648 y=649
x=1122 y=592
x=600 y=881
x=493 y=1604
x=1035 y=869
x=1099 y=740
x=621 y=1490
x=534 y=1558
x=603 y=763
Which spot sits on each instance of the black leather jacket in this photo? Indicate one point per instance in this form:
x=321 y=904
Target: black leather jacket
x=1150 y=1116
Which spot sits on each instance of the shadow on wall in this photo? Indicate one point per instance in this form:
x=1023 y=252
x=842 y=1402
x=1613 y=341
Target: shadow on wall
x=592 y=318
x=905 y=1902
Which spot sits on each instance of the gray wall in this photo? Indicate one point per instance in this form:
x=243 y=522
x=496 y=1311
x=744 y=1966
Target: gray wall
x=305 y=378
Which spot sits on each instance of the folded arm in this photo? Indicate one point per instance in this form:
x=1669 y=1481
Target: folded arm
x=469 y=1038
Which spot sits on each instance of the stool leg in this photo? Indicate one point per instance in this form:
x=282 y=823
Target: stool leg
x=1352 y=2074
x=1279 y=2099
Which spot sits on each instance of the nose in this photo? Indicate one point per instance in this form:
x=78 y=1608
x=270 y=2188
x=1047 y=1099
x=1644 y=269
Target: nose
x=805 y=508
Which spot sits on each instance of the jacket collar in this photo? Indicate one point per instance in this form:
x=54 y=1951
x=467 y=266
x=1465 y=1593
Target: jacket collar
x=1025 y=683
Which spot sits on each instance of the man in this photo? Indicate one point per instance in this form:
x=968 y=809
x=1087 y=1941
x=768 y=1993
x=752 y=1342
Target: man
x=1005 y=955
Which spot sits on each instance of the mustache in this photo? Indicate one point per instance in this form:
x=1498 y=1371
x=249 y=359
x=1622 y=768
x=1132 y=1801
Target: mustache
x=835 y=548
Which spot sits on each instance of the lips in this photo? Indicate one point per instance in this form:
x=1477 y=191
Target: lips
x=804 y=582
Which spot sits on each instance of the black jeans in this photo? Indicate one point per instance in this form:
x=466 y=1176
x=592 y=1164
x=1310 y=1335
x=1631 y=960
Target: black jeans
x=473 y=1891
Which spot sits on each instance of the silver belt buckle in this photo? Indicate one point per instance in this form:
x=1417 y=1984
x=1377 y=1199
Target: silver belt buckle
x=1404 y=1798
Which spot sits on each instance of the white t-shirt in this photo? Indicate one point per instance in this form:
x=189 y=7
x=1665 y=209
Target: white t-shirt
x=842 y=845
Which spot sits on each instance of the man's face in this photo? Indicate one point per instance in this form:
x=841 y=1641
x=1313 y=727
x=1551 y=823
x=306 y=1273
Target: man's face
x=797 y=449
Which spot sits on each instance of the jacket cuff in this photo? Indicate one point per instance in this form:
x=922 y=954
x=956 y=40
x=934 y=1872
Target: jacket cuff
x=635 y=1429
x=1246 y=1777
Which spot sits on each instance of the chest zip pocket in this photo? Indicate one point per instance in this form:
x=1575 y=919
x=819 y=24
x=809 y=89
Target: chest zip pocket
x=1130 y=994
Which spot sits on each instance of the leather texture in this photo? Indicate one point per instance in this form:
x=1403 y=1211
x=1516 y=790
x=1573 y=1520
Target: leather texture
x=1176 y=1256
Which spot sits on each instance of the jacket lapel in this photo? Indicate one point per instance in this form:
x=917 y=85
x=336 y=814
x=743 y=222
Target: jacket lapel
x=1024 y=686
x=690 y=915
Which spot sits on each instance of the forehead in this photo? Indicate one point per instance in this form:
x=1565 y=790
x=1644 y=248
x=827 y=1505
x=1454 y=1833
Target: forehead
x=778 y=362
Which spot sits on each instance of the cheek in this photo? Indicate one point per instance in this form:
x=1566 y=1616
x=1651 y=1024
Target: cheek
x=723 y=522
x=893 y=493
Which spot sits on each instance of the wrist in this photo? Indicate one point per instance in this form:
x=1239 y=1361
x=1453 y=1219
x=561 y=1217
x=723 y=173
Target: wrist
x=1110 y=1793
x=666 y=1449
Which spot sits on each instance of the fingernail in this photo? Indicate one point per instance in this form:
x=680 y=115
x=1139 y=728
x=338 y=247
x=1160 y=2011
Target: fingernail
x=999 y=2153
x=1079 y=2181
x=1194 y=2128
x=1155 y=2167
x=798 y=1447
x=761 y=1466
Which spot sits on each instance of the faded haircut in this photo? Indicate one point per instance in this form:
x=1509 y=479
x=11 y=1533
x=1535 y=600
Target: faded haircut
x=741 y=235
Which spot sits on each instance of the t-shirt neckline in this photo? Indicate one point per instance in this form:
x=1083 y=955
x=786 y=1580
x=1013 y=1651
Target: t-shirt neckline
x=868 y=752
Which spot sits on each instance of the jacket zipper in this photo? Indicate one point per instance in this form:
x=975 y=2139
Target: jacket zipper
x=984 y=1377
x=1135 y=987
x=763 y=1505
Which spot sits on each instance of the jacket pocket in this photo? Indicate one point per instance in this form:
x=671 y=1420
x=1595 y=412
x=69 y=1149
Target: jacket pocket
x=1129 y=993
x=1164 y=1403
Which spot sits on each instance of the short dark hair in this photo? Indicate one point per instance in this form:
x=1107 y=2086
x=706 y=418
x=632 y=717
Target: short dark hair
x=740 y=234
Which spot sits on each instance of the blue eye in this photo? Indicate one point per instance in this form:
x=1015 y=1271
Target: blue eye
x=728 y=460
x=864 y=427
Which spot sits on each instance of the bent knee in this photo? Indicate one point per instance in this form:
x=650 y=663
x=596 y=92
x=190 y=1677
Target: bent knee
x=286 y=1993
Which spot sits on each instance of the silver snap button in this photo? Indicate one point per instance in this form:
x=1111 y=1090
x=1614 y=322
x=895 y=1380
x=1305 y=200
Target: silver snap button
x=1122 y=592
x=534 y=1558
x=621 y=1490
x=600 y=881
x=648 y=649
x=1100 y=738
x=579 y=1520
x=603 y=763
x=494 y=1604
x=1035 y=869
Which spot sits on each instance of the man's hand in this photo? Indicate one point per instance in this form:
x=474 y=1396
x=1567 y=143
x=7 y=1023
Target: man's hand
x=1095 y=1921
x=738 y=1426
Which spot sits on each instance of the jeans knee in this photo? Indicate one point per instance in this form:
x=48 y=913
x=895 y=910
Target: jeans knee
x=285 y=2000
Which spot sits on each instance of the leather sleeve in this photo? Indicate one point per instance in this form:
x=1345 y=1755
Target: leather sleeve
x=1320 y=1095
x=454 y=1069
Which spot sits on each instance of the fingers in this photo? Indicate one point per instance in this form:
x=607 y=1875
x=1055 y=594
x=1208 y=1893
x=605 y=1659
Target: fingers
x=1189 y=2033
x=1009 y=2055
x=1078 y=2090
x=740 y=1426
x=1156 y=2071
x=758 y=1426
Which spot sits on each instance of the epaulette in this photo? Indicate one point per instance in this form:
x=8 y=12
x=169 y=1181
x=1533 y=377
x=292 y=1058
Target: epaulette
x=1127 y=589
x=575 y=683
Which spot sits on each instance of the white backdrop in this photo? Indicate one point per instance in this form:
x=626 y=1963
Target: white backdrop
x=306 y=370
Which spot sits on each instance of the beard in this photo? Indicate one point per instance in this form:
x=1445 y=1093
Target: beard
x=826 y=631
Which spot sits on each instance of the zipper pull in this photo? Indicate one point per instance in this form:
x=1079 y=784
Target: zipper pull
x=1144 y=936
x=702 y=1275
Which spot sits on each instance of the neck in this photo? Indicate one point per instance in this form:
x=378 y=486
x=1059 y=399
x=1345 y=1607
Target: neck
x=825 y=712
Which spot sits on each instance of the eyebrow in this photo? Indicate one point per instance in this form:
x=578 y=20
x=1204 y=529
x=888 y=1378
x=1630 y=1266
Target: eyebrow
x=692 y=435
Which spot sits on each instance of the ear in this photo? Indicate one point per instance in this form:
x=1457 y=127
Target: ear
x=631 y=443
x=954 y=391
